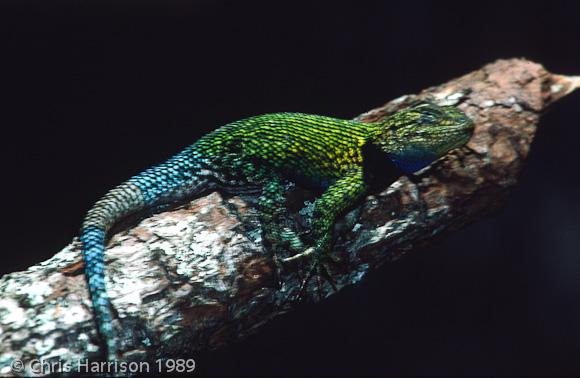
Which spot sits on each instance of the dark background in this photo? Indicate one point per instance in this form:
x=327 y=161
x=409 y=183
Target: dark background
x=95 y=92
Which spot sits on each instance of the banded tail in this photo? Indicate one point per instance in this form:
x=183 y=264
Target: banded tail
x=180 y=177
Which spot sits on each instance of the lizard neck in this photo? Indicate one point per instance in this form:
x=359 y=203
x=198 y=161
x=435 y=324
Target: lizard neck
x=403 y=155
x=373 y=131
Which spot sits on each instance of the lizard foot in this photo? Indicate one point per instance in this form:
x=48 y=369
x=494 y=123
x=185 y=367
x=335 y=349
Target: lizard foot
x=319 y=267
x=287 y=240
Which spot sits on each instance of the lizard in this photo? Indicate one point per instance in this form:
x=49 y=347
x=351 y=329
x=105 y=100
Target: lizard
x=259 y=154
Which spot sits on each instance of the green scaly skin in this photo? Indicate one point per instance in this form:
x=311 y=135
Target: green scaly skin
x=328 y=154
x=341 y=158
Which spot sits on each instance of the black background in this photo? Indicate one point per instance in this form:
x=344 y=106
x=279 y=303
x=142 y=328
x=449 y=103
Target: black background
x=94 y=92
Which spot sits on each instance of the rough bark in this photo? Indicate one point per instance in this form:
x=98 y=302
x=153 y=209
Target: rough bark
x=197 y=277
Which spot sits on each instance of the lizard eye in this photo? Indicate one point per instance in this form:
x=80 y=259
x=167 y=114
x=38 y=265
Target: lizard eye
x=427 y=119
x=429 y=114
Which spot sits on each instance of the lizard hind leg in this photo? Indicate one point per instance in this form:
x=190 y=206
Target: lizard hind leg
x=277 y=231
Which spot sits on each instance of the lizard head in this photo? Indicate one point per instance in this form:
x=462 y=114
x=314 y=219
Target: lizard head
x=417 y=136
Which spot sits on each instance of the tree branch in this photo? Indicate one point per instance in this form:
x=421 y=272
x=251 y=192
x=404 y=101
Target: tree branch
x=197 y=277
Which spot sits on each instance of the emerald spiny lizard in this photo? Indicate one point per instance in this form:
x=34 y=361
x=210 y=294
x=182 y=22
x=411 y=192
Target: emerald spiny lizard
x=259 y=154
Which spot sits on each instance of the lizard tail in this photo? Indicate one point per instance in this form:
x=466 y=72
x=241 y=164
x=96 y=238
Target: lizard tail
x=120 y=201
x=93 y=240
x=177 y=178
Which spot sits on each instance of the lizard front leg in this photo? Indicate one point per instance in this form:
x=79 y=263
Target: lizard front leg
x=340 y=196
